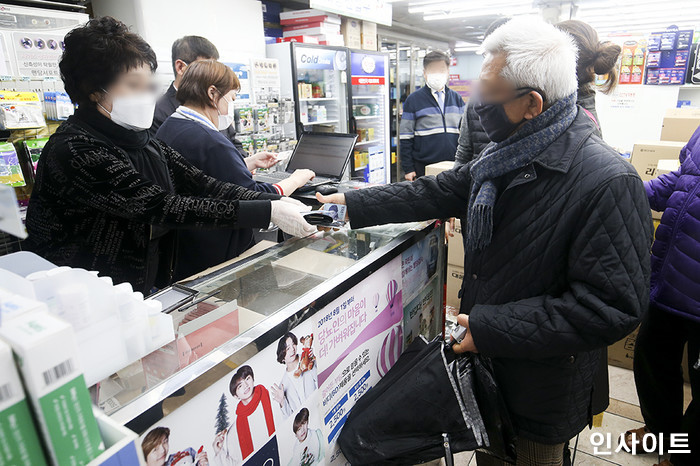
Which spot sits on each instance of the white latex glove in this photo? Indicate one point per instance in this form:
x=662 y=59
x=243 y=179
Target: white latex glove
x=300 y=205
x=288 y=217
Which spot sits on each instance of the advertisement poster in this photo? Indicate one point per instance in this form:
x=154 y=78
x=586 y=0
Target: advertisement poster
x=367 y=69
x=418 y=264
x=265 y=412
x=243 y=73
x=360 y=337
x=287 y=404
x=266 y=78
x=421 y=316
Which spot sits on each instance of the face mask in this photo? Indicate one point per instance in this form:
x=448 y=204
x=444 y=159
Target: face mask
x=134 y=112
x=436 y=81
x=226 y=120
x=494 y=119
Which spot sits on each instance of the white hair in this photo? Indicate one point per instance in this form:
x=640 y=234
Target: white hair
x=538 y=55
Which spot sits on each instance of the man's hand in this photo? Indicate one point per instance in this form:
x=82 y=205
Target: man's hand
x=450 y=228
x=337 y=198
x=410 y=176
x=278 y=393
x=467 y=344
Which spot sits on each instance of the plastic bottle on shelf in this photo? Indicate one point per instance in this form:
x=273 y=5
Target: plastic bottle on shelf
x=322 y=114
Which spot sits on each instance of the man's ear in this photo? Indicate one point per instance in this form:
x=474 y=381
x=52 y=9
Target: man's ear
x=180 y=67
x=535 y=105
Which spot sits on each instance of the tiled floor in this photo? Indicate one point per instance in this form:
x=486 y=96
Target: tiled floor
x=623 y=414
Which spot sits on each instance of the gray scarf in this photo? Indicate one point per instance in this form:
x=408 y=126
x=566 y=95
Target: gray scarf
x=516 y=152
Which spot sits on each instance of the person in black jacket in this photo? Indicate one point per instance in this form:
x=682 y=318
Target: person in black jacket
x=207 y=91
x=558 y=236
x=107 y=196
x=472 y=137
x=185 y=51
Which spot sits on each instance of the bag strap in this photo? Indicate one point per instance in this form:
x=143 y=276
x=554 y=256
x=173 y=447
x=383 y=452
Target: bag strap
x=449 y=457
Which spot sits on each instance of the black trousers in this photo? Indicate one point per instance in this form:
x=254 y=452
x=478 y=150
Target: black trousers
x=658 y=354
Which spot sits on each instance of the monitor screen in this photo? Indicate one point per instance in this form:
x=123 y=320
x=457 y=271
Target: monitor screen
x=324 y=153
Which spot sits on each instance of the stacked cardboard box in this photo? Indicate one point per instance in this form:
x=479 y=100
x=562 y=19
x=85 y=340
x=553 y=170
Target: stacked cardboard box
x=311 y=26
x=652 y=159
x=455 y=247
x=680 y=123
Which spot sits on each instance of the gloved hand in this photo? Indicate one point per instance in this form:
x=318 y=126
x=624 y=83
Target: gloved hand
x=288 y=217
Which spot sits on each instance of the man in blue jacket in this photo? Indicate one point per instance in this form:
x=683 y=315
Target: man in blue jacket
x=430 y=120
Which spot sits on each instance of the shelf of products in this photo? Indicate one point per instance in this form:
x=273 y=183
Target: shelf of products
x=311 y=123
x=370 y=117
x=362 y=143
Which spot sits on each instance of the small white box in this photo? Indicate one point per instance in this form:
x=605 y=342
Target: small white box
x=47 y=357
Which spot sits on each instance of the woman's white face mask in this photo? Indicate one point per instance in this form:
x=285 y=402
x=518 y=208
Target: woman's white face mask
x=227 y=118
x=134 y=112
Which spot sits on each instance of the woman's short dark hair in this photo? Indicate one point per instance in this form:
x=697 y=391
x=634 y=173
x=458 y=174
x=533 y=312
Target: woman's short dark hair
x=301 y=417
x=435 y=56
x=242 y=373
x=97 y=53
x=282 y=346
x=199 y=76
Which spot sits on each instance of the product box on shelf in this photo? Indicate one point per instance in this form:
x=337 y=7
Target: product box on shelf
x=306 y=16
x=369 y=35
x=680 y=124
x=455 y=277
x=47 y=357
x=352 y=32
x=646 y=156
x=455 y=246
x=22 y=445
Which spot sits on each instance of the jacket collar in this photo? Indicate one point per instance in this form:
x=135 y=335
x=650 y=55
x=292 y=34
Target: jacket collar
x=558 y=155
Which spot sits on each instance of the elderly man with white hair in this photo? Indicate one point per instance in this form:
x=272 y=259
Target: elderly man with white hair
x=558 y=235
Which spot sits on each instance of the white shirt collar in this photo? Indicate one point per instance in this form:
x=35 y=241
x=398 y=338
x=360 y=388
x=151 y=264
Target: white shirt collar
x=195 y=116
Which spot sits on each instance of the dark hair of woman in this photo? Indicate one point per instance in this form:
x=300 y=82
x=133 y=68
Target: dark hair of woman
x=594 y=56
x=97 y=53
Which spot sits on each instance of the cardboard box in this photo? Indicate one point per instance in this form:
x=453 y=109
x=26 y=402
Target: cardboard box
x=21 y=445
x=369 y=35
x=331 y=28
x=455 y=246
x=455 y=277
x=435 y=168
x=352 y=32
x=680 y=123
x=621 y=354
x=309 y=31
x=46 y=352
x=646 y=156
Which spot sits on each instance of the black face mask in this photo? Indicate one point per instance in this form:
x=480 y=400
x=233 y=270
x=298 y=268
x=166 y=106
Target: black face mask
x=494 y=119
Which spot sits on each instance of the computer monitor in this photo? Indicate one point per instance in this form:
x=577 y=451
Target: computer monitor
x=327 y=154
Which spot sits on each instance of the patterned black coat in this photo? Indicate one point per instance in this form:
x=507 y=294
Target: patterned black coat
x=566 y=274
x=106 y=199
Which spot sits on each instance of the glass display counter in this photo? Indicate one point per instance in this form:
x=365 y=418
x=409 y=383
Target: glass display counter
x=310 y=318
